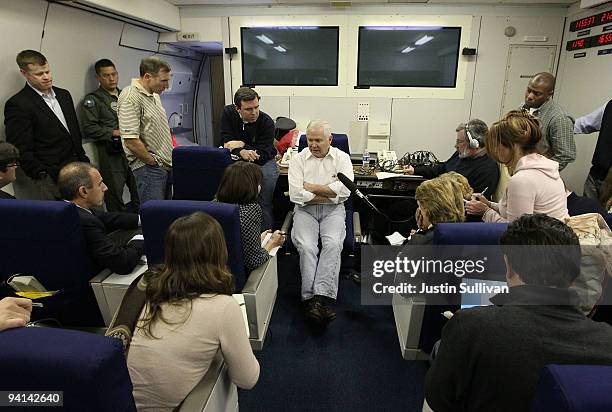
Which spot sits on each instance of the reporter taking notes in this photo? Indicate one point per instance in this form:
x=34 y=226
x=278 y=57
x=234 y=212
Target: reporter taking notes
x=188 y=314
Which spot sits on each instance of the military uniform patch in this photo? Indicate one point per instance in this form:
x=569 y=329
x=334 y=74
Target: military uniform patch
x=89 y=102
x=113 y=105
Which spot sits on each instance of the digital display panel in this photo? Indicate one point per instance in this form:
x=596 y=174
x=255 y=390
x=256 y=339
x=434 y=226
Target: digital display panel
x=578 y=44
x=408 y=56
x=603 y=39
x=290 y=55
x=586 y=42
x=591 y=21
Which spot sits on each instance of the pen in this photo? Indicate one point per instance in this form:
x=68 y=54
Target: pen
x=484 y=190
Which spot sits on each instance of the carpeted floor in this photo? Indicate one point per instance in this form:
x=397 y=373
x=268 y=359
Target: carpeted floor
x=355 y=365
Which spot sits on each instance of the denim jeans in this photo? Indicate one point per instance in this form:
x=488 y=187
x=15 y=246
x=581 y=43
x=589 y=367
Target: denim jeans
x=320 y=271
x=270 y=176
x=153 y=183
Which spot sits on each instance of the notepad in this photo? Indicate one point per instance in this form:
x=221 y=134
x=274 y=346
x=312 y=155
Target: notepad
x=395 y=239
x=265 y=241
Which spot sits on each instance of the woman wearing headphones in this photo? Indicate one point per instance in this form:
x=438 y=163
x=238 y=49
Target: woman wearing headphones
x=535 y=185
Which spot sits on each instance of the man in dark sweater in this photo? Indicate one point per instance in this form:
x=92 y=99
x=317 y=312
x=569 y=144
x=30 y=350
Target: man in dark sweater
x=470 y=159
x=490 y=357
x=249 y=134
x=107 y=234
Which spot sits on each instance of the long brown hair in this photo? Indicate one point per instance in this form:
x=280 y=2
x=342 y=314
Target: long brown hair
x=195 y=263
x=516 y=129
x=240 y=184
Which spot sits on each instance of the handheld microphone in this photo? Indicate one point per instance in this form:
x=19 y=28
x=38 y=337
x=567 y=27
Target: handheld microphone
x=350 y=185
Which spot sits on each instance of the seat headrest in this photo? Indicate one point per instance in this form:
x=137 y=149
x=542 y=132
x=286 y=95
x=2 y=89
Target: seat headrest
x=50 y=220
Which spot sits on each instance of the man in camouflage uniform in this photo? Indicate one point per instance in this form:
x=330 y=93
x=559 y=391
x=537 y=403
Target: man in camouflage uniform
x=100 y=123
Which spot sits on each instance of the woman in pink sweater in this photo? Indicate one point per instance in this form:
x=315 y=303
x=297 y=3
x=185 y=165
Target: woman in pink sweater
x=535 y=185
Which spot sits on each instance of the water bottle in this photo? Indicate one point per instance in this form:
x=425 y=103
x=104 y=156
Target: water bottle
x=365 y=159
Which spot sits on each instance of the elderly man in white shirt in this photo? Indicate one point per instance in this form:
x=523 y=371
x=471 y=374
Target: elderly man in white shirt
x=319 y=213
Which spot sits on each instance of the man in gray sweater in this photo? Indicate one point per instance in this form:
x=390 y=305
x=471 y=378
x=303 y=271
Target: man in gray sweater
x=490 y=357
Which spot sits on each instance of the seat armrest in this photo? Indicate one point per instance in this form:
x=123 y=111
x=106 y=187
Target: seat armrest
x=98 y=290
x=255 y=277
x=199 y=395
x=357 y=227
x=104 y=273
x=259 y=295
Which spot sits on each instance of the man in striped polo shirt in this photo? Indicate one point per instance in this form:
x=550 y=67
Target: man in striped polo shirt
x=145 y=132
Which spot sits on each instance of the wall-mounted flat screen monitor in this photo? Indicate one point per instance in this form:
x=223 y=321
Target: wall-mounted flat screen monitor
x=406 y=56
x=289 y=56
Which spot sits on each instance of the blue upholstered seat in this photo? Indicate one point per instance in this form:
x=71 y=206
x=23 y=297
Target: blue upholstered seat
x=339 y=140
x=197 y=171
x=45 y=239
x=471 y=237
x=90 y=369
x=158 y=215
x=574 y=388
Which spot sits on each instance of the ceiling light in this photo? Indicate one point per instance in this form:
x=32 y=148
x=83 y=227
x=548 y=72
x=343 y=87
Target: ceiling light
x=408 y=49
x=280 y=49
x=423 y=40
x=265 y=39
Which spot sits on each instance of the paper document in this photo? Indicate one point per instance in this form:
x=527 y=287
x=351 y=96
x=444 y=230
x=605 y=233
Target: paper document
x=395 y=239
x=387 y=175
x=238 y=297
x=266 y=240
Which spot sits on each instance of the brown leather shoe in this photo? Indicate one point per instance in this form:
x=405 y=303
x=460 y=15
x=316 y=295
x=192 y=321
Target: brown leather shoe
x=313 y=310
x=328 y=313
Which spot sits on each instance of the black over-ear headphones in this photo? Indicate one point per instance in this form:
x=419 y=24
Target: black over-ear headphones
x=473 y=143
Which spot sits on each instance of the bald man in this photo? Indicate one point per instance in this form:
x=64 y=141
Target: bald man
x=557 y=127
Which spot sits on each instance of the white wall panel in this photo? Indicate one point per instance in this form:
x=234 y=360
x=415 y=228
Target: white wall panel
x=338 y=111
x=426 y=124
x=73 y=48
x=493 y=57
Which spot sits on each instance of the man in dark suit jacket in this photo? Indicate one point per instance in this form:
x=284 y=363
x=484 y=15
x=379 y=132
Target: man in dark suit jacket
x=81 y=184
x=40 y=120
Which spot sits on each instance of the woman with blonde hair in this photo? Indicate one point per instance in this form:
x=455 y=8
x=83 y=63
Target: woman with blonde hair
x=189 y=315
x=439 y=200
x=458 y=178
x=535 y=184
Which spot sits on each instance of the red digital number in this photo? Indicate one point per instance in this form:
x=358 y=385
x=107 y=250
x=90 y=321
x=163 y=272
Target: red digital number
x=586 y=22
x=604 y=39
x=577 y=44
x=606 y=17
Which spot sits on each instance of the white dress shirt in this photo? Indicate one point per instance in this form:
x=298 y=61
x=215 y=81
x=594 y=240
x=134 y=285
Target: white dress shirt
x=591 y=122
x=53 y=104
x=304 y=167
